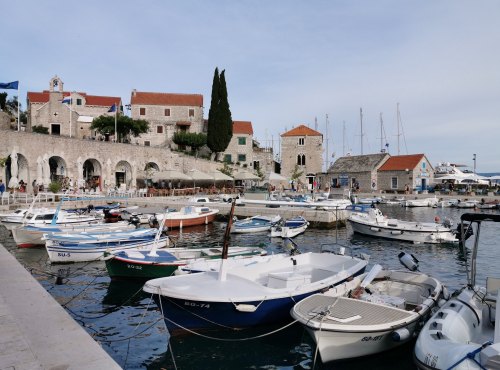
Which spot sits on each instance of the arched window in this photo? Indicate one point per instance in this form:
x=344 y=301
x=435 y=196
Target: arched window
x=301 y=160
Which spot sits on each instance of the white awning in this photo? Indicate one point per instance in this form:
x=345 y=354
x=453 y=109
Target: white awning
x=85 y=119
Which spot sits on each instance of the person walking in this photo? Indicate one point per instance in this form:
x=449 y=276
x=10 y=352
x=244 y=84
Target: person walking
x=2 y=187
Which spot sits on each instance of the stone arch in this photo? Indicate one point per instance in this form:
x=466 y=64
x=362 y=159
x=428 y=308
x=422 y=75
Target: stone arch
x=149 y=170
x=123 y=174
x=58 y=168
x=92 y=173
x=23 y=172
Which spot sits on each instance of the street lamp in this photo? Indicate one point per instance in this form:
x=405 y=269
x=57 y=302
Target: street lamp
x=474 y=159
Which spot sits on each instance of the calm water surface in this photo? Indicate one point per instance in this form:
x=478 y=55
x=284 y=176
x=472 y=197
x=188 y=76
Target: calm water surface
x=129 y=326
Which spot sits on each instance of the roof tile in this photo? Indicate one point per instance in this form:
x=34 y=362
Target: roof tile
x=301 y=130
x=242 y=127
x=152 y=98
x=402 y=162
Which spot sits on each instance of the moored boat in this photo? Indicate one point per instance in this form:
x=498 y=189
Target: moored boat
x=255 y=224
x=372 y=313
x=187 y=216
x=464 y=332
x=421 y=202
x=290 y=227
x=373 y=223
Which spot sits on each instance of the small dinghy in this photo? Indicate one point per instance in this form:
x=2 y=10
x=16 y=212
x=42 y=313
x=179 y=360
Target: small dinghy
x=464 y=333
x=290 y=227
x=255 y=224
x=374 y=312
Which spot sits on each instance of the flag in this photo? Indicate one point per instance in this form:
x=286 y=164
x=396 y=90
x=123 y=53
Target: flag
x=66 y=100
x=112 y=109
x=9 y=85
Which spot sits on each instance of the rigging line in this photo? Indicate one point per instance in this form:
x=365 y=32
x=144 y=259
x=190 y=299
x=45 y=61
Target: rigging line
x=232 y=340
x=403 y=133
x=83 y=290
x=130 y=337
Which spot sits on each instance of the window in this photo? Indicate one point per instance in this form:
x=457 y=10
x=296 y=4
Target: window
x=423 y=165
x=147 y=143
x=142 y=111
x=301 y=141
x=256 y=164
x=242 y=141
x=191 y=112
x=167 y=112
x=242 y=157
x=78 y=101
x=227 y=158
x=159 y=129
x=301 y=160
x=394 y=182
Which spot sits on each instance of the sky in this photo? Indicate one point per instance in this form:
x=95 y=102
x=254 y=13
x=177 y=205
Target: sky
x=287 y=63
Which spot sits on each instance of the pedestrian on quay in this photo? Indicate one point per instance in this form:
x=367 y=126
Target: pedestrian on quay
x=2 y=187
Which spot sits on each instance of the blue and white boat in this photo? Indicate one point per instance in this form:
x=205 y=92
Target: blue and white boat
x=66 y=252
x=246 y=296
x=254 y=224
x=290 y=227
x=107 y=236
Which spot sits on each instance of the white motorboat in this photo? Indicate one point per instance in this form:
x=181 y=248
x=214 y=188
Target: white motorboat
x=444 y=203
x=372 y=200
x=31 y=236
x=44 y=216
x=187 y=216
x=255 y=224
x=290 y=227
x=374 y=312
x=467 y=203
x=246 y=296
x=373 y=223
x=421 y=202
x=464 y=333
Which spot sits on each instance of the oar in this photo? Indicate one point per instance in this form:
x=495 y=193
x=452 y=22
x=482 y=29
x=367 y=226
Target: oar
x=372 y=274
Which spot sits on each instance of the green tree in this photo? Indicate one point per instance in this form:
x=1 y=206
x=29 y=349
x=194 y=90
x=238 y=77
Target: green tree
x=191 y=139
x=40 y=129
x=220 y=123
x=296 y=174
x=124 y=124
x=226 y=170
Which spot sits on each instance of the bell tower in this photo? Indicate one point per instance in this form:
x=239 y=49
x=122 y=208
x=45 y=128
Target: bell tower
x=56 y=84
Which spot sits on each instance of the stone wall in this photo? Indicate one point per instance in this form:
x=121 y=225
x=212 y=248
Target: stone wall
x=107 y=158
x=234 y=149
x=312 y=149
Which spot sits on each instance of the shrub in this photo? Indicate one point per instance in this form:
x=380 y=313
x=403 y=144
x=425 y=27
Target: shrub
x=55 y=187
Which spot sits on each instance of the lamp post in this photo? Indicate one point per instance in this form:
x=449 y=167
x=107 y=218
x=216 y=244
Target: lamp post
x=474 y=159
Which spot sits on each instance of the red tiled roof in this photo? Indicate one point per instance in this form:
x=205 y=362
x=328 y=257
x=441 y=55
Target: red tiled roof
x=302 y=130
x=150 y=98
x=102 y=101
x=402 y=162
x=242 y=127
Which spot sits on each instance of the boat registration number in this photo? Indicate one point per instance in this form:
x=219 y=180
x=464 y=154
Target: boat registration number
x=63 y=254
x=197 y=304
x=370 y=338
x=134 y=267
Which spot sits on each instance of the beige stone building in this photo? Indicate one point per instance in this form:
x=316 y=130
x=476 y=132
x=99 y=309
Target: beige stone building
x=240 y=148
x=66 y=113
x=166 y=113
x=357 y=171
x=302 y=147
x=413 y=170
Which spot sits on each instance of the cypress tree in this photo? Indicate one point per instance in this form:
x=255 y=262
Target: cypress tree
x=224 y=119
x=212 y=131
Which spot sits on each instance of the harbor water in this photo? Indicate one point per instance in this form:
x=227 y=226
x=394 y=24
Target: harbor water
x=128 y=325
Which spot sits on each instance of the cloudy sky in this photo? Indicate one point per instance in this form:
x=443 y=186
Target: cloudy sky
x=287 y=63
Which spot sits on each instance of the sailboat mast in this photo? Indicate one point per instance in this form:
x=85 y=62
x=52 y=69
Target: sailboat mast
x=343 y=138
x=326 y=159
x=398 y=124
x=361 y=121
x=381 y=135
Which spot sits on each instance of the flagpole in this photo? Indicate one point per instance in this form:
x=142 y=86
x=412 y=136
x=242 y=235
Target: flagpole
x=116 y=131
x=18 y=103
x=70 y=114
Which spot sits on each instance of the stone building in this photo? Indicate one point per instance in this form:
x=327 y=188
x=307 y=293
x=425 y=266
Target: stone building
x=67 y=113
x=166 y=113
x=240 y=148
x=413 y=170
x=302 y=148
x=357 y=171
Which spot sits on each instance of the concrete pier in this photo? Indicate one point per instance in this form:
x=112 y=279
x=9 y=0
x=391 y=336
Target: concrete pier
x=36 y=332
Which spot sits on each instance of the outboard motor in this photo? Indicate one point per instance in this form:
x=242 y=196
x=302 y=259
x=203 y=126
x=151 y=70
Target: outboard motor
x=134 y=220
x=153 y=222
x=90 y=208
x=408 y=260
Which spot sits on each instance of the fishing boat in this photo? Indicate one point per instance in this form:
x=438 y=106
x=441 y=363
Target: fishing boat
x=372 y=313
x=290 y=227
x=31 y=236
x=106 y=236
x=373 y=223
x=464 y=332
x=187 y=216
x=37 y=217
x=255 y=224
x=68 y=252
x=467 y=203
x=143 y=264
x=422 y=202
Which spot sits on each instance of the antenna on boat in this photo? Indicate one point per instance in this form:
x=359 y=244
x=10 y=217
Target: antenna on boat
x=225 y=246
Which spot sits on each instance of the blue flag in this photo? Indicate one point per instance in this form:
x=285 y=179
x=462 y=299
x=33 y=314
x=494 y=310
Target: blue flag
x=112 y=109
x=9 y=85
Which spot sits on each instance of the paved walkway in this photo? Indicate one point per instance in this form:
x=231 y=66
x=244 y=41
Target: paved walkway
x=36 y=332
